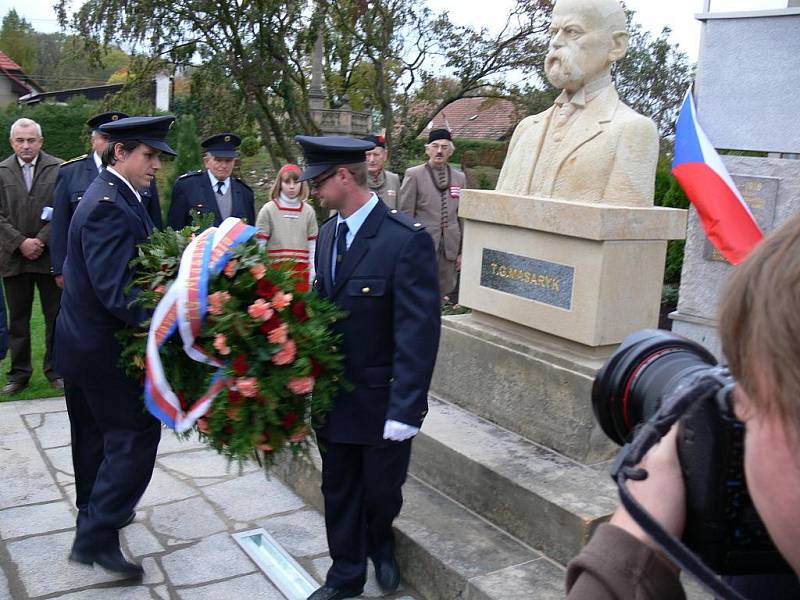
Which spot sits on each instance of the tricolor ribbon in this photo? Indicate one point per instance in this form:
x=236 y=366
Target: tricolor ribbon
x=183 y=308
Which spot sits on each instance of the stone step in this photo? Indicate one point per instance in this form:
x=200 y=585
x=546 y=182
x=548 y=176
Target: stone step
x=444 y=550
x=544 y=499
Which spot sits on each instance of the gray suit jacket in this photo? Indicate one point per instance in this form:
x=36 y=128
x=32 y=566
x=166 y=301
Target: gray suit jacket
x=420 y=199
x=21 y=211
x=600 y=159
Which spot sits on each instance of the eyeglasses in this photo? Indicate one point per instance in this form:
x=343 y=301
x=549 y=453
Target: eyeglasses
x=438 y=147
x=316 y=183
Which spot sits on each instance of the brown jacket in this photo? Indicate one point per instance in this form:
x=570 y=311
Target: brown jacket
x=21 y=211
x=388 y=188
x=617 y=566
x=422 y=201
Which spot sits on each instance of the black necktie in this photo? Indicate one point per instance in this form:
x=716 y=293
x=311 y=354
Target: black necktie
x=219 y=187
x=341 y=246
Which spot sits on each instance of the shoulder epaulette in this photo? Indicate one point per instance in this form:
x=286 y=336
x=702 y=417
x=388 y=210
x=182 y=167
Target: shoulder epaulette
x=405 y=220
x=74 y=160
x=110 y=192
x=191 y=174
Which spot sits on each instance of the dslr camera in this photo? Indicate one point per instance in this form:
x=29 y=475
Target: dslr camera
x=722 y=525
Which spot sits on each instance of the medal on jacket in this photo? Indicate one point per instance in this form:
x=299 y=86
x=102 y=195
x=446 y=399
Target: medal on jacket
x=455 y=191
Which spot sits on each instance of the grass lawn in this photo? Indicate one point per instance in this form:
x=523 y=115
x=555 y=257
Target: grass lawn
x=39 y=386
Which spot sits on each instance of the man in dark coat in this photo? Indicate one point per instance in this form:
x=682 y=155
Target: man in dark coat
x=380 y=267
x=27 y=179
x=214 y=189
x=114 y=441
x=74 y=178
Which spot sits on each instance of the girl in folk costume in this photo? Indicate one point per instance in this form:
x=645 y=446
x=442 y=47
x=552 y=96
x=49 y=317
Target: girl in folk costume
x=289 y=224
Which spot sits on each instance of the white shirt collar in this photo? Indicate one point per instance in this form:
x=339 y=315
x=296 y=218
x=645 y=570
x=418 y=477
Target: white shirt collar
x=111 y=169
x=22 y=163
x=97 y=161
x=214 y=182
x=356 y=220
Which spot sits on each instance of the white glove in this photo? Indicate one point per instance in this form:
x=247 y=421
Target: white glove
x=397 y=431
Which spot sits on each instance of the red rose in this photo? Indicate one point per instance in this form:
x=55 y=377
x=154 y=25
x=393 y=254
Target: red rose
x=289 y=419
x=316 y=369
x=228 y=429
x=302 y=287
x=234 y=397
x=239 y=365
x=265 y=289
x=299 y=311
x=273 y=323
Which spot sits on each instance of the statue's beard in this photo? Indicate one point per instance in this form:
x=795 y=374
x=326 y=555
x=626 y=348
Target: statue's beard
x=562 y=71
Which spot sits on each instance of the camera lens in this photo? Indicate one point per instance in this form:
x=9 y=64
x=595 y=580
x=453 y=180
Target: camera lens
x=631 y=385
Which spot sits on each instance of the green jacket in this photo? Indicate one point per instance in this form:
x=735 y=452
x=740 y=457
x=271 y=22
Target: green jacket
x=21 y=212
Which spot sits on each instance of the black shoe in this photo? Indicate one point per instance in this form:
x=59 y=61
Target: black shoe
x=387 y=574
x=13 y=387
x=331 y=593
x=111 y=560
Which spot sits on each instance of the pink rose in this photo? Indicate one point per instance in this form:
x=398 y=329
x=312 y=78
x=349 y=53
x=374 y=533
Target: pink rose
x=279 y=335
x=216 y=301
x=248 y=386
x=258 y=271
x=230 y=268
x=286 y=354
x=299 y=435
x=301 y=385
x=221 y=344
x=260 y=310
x=281 y=300
x=160 y=289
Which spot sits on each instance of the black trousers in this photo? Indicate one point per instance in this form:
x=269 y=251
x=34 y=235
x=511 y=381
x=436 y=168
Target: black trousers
x=362 y=488
x=114 y=444
x=19 y=295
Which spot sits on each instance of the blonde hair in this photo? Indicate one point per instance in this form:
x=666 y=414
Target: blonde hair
x=285 y=175
x=760 y=325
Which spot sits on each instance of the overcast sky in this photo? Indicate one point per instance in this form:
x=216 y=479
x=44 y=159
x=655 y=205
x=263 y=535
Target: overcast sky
x=652 y=14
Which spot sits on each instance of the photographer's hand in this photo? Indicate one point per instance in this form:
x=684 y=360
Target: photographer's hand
x=662 y=494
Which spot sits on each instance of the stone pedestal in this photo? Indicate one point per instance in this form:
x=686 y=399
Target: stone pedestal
x=553 y=286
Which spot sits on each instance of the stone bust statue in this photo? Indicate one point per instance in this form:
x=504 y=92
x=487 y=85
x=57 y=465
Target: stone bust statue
x=588 y=146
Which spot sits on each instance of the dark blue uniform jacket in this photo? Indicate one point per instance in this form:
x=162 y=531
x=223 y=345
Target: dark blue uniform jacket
x=193 y=191
x=388 y=284
x=107 y=225
x=74 y=178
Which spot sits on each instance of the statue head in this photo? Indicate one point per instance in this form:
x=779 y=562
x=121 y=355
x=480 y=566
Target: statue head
x=586 y=38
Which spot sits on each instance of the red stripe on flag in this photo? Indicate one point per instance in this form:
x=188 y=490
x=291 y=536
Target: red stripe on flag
x=727 y=223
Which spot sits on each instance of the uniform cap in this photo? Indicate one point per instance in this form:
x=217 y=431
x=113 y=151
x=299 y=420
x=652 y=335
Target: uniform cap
x=327 y=151
x=147 y=130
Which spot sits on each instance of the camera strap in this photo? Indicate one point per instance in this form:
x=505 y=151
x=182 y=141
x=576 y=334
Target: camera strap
x=626 y=467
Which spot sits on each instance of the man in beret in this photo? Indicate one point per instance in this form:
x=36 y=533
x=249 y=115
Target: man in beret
x=74 y=177
x=213 y=190
x=384 y=184
x=114 y=440
x=430 y=194
x=378 y=266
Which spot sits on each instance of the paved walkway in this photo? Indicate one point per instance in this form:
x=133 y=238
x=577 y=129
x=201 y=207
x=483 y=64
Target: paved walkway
x=182 y=528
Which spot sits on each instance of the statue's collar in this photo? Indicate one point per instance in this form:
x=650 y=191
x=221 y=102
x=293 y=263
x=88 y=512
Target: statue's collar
x=586 y=94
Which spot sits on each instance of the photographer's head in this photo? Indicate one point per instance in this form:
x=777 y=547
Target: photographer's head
x=760 y=330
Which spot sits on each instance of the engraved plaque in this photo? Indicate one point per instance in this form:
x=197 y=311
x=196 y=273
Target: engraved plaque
x=761 y=195
x=530 y=278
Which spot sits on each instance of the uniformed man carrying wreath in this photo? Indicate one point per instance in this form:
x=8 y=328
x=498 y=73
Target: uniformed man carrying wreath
x=379 y=266
x=114 y=441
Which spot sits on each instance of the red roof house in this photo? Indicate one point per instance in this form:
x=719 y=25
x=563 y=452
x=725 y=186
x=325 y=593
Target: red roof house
x=477 y=119
x=14 y=82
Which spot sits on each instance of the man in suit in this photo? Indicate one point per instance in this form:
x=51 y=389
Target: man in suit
x=74 y=177
x=27 y=178
x=114 y=441
x=213 y=190
x=378 y=266
x=430 y=194
x=384 y=184
x=589 y=146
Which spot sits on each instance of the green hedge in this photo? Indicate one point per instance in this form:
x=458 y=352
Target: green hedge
x=63 y=126
x=489 y=153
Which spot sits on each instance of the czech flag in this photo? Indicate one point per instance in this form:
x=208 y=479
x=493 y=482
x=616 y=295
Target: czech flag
x=725 y=216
